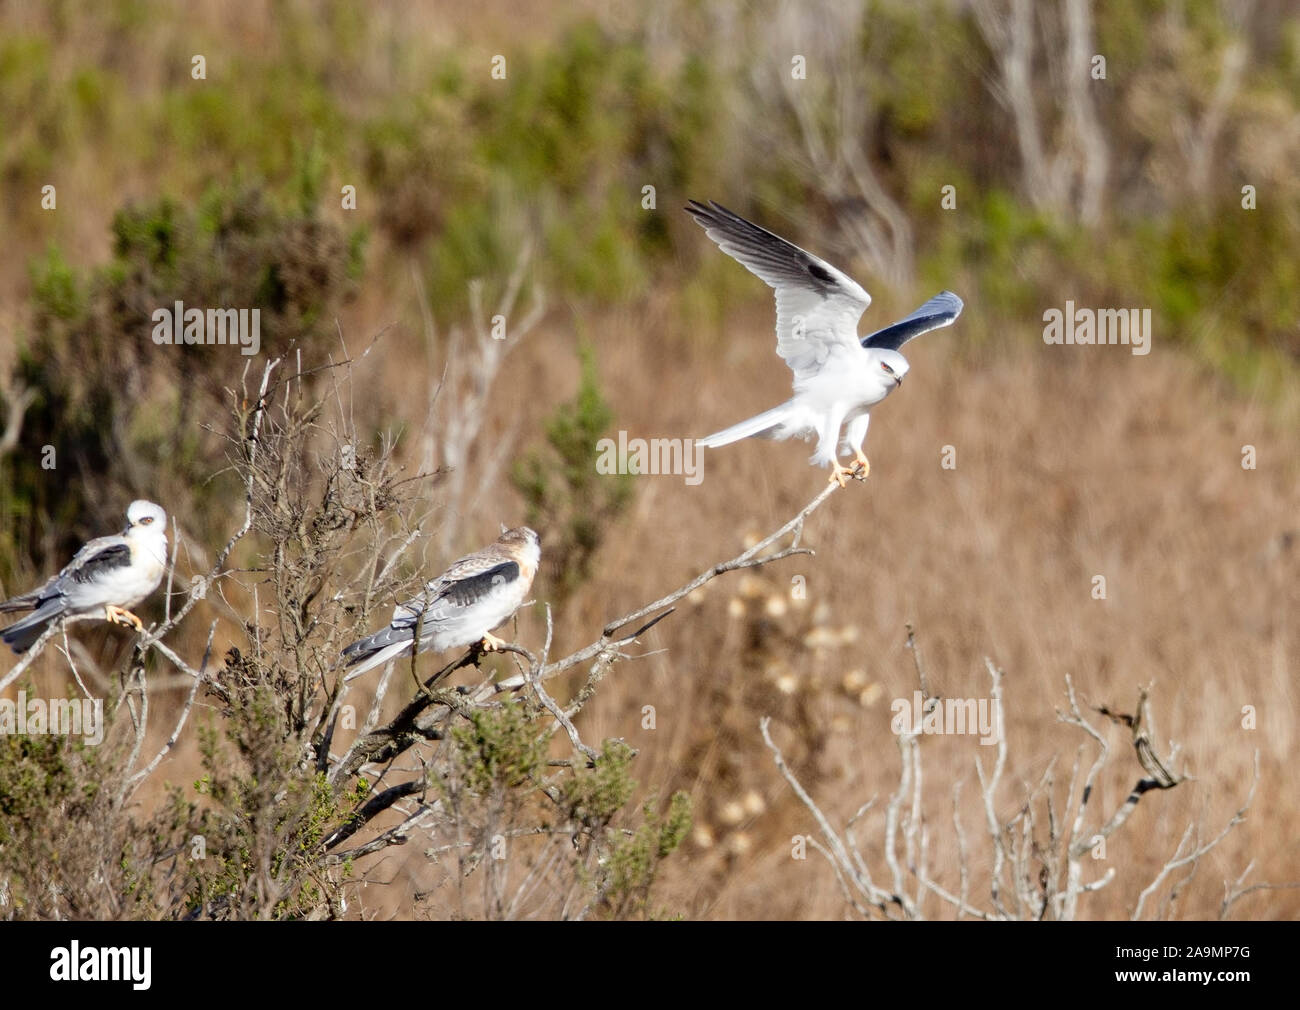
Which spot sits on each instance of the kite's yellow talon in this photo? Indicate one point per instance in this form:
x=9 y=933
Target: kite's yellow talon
x=862 y=462
x=840 y=474
x=491 y=643
x=120 y=615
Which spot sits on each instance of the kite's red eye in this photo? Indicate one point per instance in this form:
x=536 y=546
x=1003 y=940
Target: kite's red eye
x=886 y=368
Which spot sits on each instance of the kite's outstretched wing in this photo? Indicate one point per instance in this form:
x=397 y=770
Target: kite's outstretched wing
x=817 y=306
x=939 y=311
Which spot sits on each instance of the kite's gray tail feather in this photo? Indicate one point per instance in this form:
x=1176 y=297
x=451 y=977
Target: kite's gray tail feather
x=24 y=602
x=762 y=425
x=20 y=636
x=375 y=650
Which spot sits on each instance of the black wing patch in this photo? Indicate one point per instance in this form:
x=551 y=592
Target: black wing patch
x=939 y=311
x=466 y=592
x=820 y=273
x=761 y=247
x=116 y=556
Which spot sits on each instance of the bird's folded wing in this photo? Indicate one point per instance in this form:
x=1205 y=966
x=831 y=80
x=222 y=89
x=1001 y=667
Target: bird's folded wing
x=467 y=591
x=939 y=311
x=95 y=560
x=817 y=306
x=467 y=582
x=99 y=559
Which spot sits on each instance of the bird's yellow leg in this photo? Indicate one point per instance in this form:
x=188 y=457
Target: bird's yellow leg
x=840 y=474
x=120 y=615
x=862 y=462
x=492 y=644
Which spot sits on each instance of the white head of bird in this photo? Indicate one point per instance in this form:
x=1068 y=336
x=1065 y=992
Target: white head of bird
x=889 y=368
x=146 y=523
x=525 y=539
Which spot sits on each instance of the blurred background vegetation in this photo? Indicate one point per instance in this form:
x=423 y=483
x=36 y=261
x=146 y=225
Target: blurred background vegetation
x=229 y=190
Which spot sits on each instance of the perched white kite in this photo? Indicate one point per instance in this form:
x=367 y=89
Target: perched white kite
x=111 y=574
x=838 y=377
x=461 y=606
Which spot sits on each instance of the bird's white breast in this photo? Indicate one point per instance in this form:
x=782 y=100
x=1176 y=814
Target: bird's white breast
x=851 y=377
x=148 y=563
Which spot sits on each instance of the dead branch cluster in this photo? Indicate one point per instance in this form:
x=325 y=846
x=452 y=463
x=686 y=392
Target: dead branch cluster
x=1037 y=852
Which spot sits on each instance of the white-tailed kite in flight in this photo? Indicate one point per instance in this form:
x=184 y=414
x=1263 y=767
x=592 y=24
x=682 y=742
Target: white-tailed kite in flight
x=838 y=376
x=111 y=574
x=461 y=606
